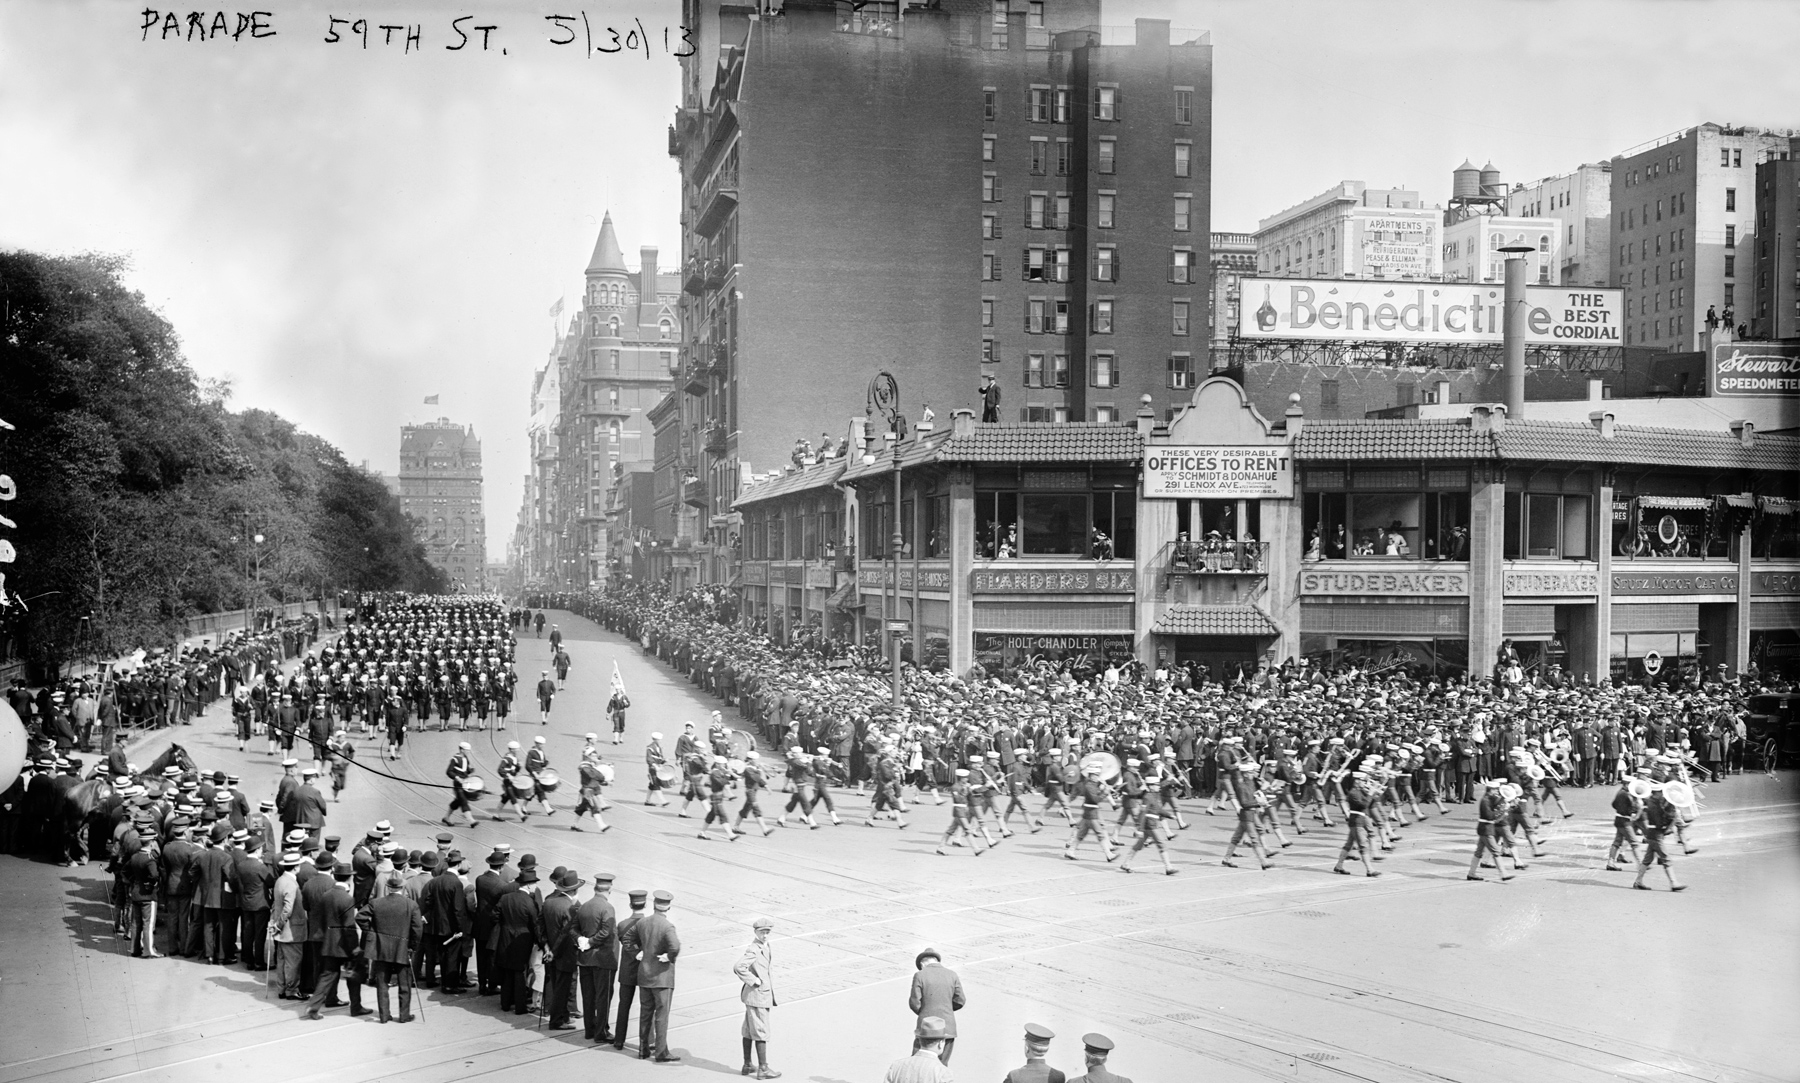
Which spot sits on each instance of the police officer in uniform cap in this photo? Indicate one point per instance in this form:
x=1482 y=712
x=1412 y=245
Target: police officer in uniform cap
x=1037 y=1044
x=1096 y=1047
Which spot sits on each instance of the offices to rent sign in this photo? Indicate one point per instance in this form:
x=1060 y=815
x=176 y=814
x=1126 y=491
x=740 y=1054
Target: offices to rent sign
x=1755 y=368
x=1218 y=472
x=1431 y=312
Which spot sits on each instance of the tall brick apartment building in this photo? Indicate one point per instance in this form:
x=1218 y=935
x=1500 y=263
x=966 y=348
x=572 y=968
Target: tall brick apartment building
x=440 y=489
x=945 y=193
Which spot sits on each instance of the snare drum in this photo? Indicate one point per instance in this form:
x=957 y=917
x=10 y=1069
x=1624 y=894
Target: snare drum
x=606 y=773
x=518 y=786
x=547 y=780
x=665 y=772
x=473 y=788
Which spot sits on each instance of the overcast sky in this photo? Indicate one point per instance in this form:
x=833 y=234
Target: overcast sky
x=343 y=231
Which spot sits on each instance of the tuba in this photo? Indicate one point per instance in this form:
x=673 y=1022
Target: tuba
x=1639 y=788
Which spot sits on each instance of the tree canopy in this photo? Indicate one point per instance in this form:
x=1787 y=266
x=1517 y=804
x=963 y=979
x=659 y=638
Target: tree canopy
x=140 y=492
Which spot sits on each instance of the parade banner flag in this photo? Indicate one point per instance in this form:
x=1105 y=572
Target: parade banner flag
x=431 y=400
x=556 y=309
x=618 y=679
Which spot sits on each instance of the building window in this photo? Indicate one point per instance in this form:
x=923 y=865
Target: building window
x=1730 y=294
x=1184 y=105
x=1105 y=371
x=1181 y=371
x=987 y=312
x=1183 y=204
x=1183 y=159
x=1034 y=264
x=1106 y=103
x=1328 y=392
x=1106 y=415
x=1106 y=264
x=1034 y=315
x=1547 y=526
x=1036 y=414
x=1730 y=266
x=1179 y=318
x=1730 y=236
x=1059 y=267
x=1039 y=105
x=987 y=351
x=990 y=227
x=1103 y=316
x=1034 y=14
x=1040 y=157
x=990 y=103
x=1737 y=159
x=1103 y=211
x=1181 y=265
x=990 y=188
x=665 y=328
x=1034 y=210
x=987 y=148
x=613 y=356
x=990 y=267
x=1034 y=370
x=1108 y=151
x=1065 y=157
x=1407 y=523
x=1060 y=316
x=1062 y=210
x=1059 y=369
x=1059 y=110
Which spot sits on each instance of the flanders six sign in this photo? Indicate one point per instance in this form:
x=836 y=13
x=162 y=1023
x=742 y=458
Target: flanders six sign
x=1218 y=472
x=1423 y=312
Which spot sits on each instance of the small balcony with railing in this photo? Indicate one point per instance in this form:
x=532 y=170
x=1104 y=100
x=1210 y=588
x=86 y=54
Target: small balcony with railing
x=693 y=276
x=714 y=438
x=718 y=197
x=694 y=492
x=1211 y=571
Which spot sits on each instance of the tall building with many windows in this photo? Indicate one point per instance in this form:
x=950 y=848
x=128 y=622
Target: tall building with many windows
x=615 y=362
x=1775 y=312
x=946 y=192
x=1684 y=218
x=1581 y=205
x=440 y=489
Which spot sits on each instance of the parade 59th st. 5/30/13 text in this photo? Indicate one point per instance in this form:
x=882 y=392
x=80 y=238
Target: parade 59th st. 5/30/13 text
x=596 y=37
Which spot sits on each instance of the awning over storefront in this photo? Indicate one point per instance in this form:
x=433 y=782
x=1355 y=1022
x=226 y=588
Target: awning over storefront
x=1738 y=500
x=737 y=583
x=1675 y=503
x=1775 y=505
x=1214 y=620
x=844 y=598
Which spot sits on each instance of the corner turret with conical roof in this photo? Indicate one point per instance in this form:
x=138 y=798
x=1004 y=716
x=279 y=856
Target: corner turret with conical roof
x=608 y=257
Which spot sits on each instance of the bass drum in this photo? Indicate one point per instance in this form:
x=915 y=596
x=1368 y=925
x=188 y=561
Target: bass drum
x=606 y=773
x=548 y=780
x=473 y=787
x=665 y=772
x=518 y=786
x=1109 y=765
x=741 y=743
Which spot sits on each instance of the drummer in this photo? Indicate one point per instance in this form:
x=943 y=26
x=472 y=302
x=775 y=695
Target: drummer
x=543 y=779
x=657 y=767
x=508 y=771
x=719 y=781
x=593 y=781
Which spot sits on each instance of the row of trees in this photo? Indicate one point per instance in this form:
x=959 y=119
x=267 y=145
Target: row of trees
x=140 y=493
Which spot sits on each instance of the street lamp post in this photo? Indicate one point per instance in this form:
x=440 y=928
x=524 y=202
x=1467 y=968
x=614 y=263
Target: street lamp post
x=884 y=398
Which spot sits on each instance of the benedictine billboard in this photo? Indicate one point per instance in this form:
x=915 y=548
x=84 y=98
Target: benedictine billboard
x=1460 y=313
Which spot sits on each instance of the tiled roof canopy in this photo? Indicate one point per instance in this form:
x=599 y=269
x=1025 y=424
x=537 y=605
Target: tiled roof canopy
x=819 y=476
x=1075 y=441
x=1214 y=620
x=1541 y=441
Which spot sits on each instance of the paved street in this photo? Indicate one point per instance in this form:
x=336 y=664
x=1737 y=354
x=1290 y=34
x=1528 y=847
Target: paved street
x=1216 y=973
